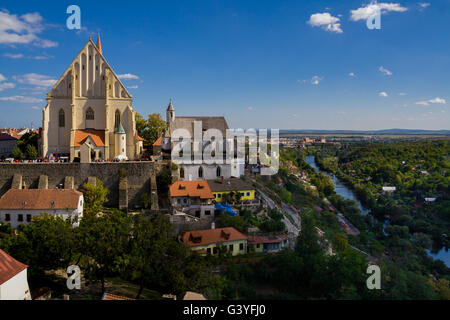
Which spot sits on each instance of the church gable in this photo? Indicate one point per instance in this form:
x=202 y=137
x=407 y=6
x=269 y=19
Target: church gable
x=89 y=75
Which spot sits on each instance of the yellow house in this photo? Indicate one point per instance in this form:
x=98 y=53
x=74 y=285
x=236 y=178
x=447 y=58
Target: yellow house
x=221 y=187
x=207 y=242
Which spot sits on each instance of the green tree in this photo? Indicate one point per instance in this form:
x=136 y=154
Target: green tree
x=148 y=248
x=95 y=196
x=151 y=128
x=17 y=153
x=104 y=240
x=31 y=152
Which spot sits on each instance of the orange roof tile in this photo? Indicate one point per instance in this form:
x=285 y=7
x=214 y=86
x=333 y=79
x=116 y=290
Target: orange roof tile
x=158 y=142
x=193 y=189
x=40 y=199
x=99 y=44
x=205 y=237
x=110 y=296
x=140 y=138
x=98 y=136
x=9 y=267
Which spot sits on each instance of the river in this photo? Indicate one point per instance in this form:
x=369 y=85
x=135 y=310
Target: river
x=346 y=193
x=340 y=188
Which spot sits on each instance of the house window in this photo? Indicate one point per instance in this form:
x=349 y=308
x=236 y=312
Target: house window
x=248 y=194
x=200 y=172
x=241 y=246
x=207 y=212
x=90 y=114
x=28 y=217
x=208 y=251
x=258 y=245
x=179 y=201
x=242 y=194
x=62 y=119
x=7 y=217
x=218 y=171
x=20 y=218
x=197 y=213
x=231 y=247
x=215 y=250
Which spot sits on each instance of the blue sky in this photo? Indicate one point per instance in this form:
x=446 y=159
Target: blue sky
x=262 y=64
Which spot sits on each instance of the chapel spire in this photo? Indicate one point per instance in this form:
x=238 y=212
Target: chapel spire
x=99 y=44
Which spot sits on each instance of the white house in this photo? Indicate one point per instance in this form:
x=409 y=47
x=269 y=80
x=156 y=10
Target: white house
x=13 y=279
x=19 y=206
x=388 y=189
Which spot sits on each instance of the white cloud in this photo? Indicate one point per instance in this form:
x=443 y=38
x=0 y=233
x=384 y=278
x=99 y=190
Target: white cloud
x=127 y=76
x=326 y=21
x=13 y=56
x=385 y=71
x=436 y=100
x=402 y=94
x=369 y=10
x=2 y=77
x=23 y=29
x=133 y=87
x=21 y=99
x=6 y=85
x=35 y=79
x=316 y=80
x=352 y=74
x=35 y=107
x=383 y=94
x=250 y=108
x=424 y=5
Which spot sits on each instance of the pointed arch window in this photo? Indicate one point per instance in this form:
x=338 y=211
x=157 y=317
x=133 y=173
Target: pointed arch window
x=200 y=172
x=90 y=114
x=62 y=118
x=218 y=171
x=182 y=172
x=117 y=120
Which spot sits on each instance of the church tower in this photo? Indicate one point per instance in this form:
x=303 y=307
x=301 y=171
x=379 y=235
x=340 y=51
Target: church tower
x=170 y=113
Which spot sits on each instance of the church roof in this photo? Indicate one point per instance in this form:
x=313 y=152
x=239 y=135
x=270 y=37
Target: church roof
x=98 y=136
x=187 y=123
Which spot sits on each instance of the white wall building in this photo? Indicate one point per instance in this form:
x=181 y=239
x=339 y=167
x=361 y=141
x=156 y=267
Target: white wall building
x=13 y=279
x=197 y=169
x=19 y=206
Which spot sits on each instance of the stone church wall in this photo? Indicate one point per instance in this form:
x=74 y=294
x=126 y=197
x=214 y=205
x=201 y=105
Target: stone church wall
x=139 y=175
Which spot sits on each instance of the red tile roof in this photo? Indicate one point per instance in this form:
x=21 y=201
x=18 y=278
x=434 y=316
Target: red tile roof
x=98 y=136
x=40 y=199
x=5 y=136
x=267 y=239
x=193 y=189
x=205 y=237
x=110 y=296
x=9 y=267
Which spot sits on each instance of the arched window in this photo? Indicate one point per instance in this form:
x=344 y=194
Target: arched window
x=90 y=114
x=218 y=171
x=182 y=173
x=200 y=172
x=117 y=120
x=62 y=118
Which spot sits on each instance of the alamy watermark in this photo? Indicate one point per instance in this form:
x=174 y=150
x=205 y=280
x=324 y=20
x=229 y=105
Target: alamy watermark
x=74 y=20
x=74 y=279
x=374 y=280
x=238 y=147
